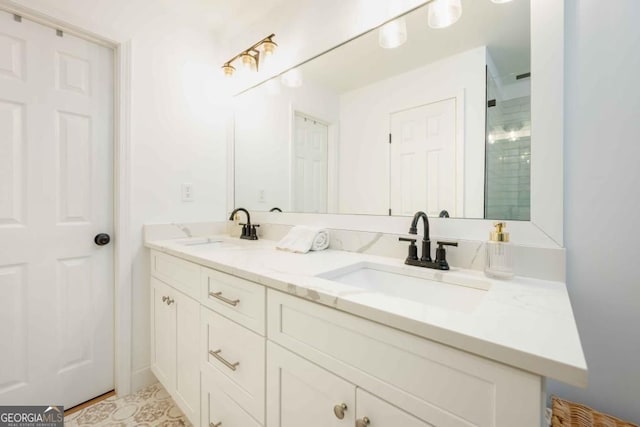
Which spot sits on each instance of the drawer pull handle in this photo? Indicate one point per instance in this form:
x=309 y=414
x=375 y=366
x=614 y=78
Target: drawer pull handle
x=219 y=296
x=363 y=422
x=339 y=410
x=229 y=365
x=215 y=425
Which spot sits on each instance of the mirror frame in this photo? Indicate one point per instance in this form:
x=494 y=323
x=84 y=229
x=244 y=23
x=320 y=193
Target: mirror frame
x=545 y=229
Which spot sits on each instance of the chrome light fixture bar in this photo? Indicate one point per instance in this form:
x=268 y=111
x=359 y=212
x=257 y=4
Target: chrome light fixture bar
x=250 y=58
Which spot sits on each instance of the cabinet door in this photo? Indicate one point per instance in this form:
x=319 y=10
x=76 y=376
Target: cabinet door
x=300 y=393
x=163 y=334
x=218 y=409
x=187 y=362
x=372 y=411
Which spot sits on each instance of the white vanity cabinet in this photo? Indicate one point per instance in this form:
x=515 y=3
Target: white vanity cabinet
x=242 y=355
x=175 y=320
x=434 y=383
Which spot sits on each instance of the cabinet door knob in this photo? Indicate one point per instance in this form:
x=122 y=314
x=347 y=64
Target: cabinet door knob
x=339 y=410
x=170 y=301
x=215 y=425
x=164 y=299
x=364 y=422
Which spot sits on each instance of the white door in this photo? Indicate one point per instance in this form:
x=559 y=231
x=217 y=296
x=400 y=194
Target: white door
x=309 y=173
x=56 y=323
x=300 y=393
x=423 y=159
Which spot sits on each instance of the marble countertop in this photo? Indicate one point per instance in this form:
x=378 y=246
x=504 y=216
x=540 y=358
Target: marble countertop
x=526 y=323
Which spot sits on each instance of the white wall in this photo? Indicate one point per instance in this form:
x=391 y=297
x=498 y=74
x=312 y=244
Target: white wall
x=602 y=199
x=365 y=124
x=178 y=136
x=263 y=124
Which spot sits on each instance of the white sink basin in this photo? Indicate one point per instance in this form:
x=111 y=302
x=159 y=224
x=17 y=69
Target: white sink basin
x=447 y=290
x=206 y=242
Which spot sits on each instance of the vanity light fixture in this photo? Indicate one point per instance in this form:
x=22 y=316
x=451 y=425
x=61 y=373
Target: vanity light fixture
x=444 y=13
x=393 y=34
x=250 y=58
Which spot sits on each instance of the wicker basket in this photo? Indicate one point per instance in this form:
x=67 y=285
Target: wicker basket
x=570 y=414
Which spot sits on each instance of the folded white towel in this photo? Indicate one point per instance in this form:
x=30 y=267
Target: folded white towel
x=301 y=239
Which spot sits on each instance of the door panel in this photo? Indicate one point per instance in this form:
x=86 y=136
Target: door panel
x=55 y=195
x=424 y=171
x=310 y=165
x=12 y=163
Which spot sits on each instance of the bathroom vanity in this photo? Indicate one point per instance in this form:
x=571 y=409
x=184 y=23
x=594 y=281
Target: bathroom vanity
x=245 y=335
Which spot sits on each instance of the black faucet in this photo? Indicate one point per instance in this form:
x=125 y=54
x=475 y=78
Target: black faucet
x=425 y=260
x=248 y=230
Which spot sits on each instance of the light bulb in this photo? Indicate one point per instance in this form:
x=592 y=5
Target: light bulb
x=268 y=47
x=249 y=61
x=443 y=13
x=228 y=70
x=292 y=78
x=393 y=34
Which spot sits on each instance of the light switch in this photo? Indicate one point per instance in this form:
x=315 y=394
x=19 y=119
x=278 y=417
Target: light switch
x=187 y=192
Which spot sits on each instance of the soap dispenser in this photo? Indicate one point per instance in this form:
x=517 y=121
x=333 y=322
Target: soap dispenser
x=499 y=261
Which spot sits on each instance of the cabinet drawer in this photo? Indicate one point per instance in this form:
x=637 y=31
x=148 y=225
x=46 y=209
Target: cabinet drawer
x=235 y=298
x=235 y=358
x=217 y=407
x=444 y=386
x=182 y=275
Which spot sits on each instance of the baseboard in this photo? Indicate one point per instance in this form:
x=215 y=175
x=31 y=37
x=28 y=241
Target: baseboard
x=142 y=378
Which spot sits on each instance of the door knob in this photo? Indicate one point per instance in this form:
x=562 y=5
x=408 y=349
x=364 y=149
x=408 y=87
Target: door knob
x=339 y=410
x=102 y=239
x=364 y=422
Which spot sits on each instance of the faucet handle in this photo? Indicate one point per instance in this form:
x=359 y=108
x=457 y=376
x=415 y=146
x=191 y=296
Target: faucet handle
x=441 y=254
x=413 y=249
x=404 y=239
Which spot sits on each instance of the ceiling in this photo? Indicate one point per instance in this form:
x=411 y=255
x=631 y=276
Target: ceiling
x=120 y=19
x=503 y=28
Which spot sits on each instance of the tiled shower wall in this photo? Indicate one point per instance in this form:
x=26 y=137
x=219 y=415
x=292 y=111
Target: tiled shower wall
x=508 y=157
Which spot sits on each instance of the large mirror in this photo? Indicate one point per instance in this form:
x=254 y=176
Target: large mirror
x=441 y=122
